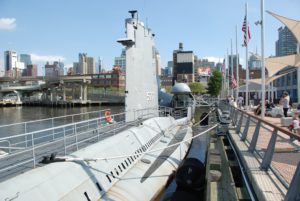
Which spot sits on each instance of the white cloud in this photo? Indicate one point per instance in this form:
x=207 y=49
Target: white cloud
x=214 y=59
x=8 y=23
x=45 y=58
x=68 y=65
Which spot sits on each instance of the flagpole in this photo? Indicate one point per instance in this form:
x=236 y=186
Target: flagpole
x=237 y=64
x=227 y=65
x=224 y=77
x=247 y=70
x=231 y=62
x=262 y=62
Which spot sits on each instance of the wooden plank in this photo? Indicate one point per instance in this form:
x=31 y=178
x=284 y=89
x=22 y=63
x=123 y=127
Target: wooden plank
x=265 y=186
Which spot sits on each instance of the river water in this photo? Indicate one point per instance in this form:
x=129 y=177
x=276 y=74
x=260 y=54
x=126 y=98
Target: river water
x=10 y=115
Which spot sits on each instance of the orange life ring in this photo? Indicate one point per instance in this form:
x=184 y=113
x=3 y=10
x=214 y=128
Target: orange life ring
x=107 y=116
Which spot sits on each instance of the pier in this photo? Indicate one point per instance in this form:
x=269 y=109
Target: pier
x=268 y=154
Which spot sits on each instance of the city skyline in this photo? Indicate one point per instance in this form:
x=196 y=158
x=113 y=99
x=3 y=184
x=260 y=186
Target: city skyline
x=68 y=29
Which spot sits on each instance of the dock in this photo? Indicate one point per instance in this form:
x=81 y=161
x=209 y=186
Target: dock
x=268 y=153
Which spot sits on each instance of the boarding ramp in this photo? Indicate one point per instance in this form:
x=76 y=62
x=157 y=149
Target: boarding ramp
x=25 y=149
x=268 y=153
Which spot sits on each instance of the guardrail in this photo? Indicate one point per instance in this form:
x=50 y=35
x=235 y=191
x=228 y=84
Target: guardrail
x=24 y=151
x=30 y=126
x=273 y=146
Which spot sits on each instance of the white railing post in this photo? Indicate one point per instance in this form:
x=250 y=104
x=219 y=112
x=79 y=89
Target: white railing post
x=115 y=128
x=76 y=140
x=33 y=151
x=65 y=145
x=52 y=129
x=26 y=137
x=293 y=192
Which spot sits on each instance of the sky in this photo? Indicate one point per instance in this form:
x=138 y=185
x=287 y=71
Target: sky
x=61 y=29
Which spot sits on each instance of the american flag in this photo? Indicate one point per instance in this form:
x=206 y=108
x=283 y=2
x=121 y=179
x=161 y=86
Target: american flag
x=244 y=30
x=233 y=83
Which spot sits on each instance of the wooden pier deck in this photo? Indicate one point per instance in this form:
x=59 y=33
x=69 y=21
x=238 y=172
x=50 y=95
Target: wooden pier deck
x=268 y=183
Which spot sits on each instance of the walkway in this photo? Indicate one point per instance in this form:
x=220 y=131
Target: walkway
x=268 y=155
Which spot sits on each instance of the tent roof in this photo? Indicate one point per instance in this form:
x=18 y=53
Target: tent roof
x=275 y=64
x=268 y=80
x=253 y=87
x=293 y=25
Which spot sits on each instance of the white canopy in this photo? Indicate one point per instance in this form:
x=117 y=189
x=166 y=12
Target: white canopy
x=292 y=25
x=268 y=79
x=275 y=64
x=254 y=87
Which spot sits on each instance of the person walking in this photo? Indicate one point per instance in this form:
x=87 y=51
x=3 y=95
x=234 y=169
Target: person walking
x=286 y=103
x=240 y=101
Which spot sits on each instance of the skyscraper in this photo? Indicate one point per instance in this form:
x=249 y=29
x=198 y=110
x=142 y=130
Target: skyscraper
x=31 y=70
x=286 y=43
x=26 y=59
x=121 y=61
x=254 y=62
x=54 y=70
x=183 y=65
x=91 y=65
x=85 y=65
x=10 y=60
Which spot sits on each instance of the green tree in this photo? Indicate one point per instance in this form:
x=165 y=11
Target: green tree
x=197 y=87
x=215 y=83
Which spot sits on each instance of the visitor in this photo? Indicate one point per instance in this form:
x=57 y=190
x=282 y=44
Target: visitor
x=240 y=101
x=295 y=123
x=286 y=102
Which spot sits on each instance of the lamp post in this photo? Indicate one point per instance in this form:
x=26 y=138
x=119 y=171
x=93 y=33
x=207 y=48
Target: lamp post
x=262 y=61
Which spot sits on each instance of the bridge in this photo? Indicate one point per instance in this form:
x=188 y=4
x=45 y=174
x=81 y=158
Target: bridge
x=57 y=91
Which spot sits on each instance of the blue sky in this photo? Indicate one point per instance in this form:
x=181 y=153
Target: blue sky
x=60 y=29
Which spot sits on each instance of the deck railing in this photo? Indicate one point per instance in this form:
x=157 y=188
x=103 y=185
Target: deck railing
x=275 y=147
x=31 y=126
x=25 y=151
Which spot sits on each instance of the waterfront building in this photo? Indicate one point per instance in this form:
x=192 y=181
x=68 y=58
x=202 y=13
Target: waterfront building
x=91 y=65
x=287 y=83
x=204 y=63
x=99 y=65
x=26 y=59
x=169 y=70
x=286 y=43
x=165 y=81
x=234 y=58
x=10 y=60
x=183 y=65
x=219 y=66
x=31 y=70
x=85 y=65
x=202 y=74
x=82 y=64
x=52 y=70
x=114 y=78
x=121 y=61
x=254 y=62
x=2 y=72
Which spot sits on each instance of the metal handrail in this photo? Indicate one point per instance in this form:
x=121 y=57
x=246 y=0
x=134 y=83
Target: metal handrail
x=287 y=132
x=47 y=119
x=266 y=162
x=82 y=131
